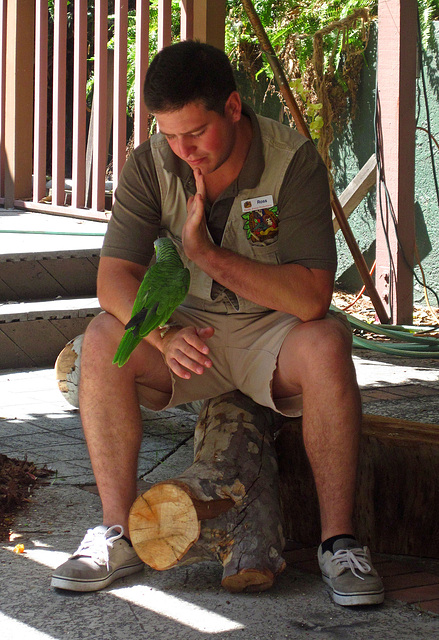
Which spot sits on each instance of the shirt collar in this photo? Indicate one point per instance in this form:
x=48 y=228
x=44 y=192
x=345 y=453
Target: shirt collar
x=251 y=171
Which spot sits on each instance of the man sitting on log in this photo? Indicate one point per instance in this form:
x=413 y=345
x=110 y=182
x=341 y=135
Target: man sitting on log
x=246 y=202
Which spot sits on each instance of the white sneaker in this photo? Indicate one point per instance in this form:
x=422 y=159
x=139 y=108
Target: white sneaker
x=350 y=574
x=102 y=557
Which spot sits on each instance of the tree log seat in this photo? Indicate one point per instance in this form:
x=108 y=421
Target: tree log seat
x=397 y=497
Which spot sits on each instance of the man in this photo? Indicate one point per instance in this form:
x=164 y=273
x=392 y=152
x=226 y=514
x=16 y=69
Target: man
x=246 y=202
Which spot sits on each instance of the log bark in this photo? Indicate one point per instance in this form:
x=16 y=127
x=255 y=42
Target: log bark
x=397 y=496
x=225 y=507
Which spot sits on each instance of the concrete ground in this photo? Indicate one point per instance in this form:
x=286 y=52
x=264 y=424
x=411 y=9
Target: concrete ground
x=186 y=602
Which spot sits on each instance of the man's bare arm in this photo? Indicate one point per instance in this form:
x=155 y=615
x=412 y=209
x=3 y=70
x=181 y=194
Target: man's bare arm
x=292 y=288
x=117 y=285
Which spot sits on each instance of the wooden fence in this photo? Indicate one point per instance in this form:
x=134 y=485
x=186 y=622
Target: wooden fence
x=53 y=149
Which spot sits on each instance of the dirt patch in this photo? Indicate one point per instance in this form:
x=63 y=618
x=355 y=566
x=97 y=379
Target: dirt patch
x=18 y=479
x=363 y=309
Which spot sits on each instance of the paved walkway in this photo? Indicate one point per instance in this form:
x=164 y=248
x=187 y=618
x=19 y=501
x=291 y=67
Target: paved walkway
x=187 y=602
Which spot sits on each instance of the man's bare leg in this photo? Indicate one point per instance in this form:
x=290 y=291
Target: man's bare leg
x=110 y=412
x=315 y=359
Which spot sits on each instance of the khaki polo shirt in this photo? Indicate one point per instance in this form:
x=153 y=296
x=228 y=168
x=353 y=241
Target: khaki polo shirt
x=306 y=233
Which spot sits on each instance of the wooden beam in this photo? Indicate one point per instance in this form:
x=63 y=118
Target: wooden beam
x=396 y=70
x=357 y=189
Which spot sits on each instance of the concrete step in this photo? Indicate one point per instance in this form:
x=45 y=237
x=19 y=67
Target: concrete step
x=40 y=275
x=33 y=333
x=44 y=256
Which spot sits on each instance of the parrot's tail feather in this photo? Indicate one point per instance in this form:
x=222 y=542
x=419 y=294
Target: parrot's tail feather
x=137 y=319
x=127 y=345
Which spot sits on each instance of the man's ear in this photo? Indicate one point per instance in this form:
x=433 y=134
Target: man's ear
x=233 y=106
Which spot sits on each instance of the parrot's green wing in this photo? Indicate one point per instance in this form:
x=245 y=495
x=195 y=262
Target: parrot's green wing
x=162 y=290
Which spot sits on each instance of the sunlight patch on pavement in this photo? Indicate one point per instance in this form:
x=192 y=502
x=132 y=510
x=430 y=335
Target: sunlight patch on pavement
x=11 y=628
x=46 y=557
x=176 y=609
x=143 y=596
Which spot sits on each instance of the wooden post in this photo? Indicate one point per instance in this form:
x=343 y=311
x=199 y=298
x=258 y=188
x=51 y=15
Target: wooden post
x=164 y=24
x=120 y=90
x=187 y=20
x=59 y=104
x=40 y=100
x=3 y=29
x=209 y=21
x=142 y=45
x=396 y=69
x=357 y=189
x=19 y=100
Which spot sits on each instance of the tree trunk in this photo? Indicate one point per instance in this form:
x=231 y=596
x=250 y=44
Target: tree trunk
x=225 y=506
x=397 y=497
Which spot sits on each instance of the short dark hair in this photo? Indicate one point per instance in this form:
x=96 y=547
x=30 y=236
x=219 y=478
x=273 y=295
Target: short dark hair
x=189 y=71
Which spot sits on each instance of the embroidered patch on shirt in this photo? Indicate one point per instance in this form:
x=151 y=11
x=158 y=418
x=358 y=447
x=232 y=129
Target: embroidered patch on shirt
x=261 y=222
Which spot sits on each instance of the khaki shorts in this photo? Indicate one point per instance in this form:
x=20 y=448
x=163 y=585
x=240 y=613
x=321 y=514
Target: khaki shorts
x=243 y=350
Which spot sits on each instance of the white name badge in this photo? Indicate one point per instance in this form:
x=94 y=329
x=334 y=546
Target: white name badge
x=252 y=204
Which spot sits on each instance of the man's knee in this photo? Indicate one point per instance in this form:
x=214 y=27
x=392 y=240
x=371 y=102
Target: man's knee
x=104 y=330
x=329 y=338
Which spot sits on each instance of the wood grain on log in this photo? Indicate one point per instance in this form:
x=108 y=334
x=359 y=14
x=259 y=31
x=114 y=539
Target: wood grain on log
x=163 y=525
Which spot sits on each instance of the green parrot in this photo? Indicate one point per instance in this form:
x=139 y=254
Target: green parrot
x=163 y=288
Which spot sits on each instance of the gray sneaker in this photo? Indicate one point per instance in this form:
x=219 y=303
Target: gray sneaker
x=350 y=574
x=102 y=557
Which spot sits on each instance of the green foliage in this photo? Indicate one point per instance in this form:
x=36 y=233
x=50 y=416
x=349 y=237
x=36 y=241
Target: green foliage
x=292 y=19
x=428 y=11
x=315 y=120
x=291 y=26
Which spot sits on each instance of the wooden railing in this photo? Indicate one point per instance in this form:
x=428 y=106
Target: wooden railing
x=42 y=116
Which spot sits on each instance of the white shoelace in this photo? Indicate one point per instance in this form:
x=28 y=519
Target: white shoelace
x=96 y=544
x=353 y=559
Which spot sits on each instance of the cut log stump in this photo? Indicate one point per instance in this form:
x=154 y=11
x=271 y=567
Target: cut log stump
x=68 y=370
x=397 y=496
x=225 y=506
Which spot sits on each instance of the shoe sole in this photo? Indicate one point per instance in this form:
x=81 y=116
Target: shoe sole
x=352 y=599
x=73 y=584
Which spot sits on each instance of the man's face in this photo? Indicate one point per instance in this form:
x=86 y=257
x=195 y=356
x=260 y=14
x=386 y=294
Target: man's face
x=204 y=139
